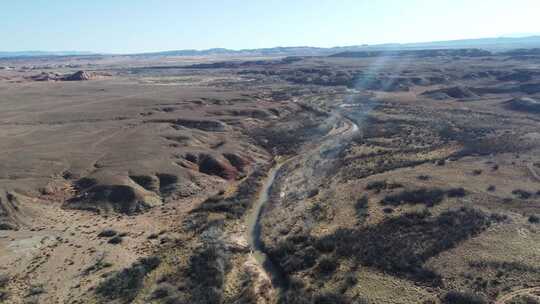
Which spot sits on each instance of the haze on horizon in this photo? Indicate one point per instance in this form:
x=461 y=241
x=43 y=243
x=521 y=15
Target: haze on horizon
x=142 y=26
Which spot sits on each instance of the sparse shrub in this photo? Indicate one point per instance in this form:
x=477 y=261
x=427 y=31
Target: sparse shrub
x=491 y=188
x=456 y=192
x=327 y=266
x=325 y=245
x=296 y=296
x=456 y=297
x=116 y=240
x=152 y=236
x=388 y=210
x=205 y=273
x=522 y=194
x=497 y=217
x=428 y=197
x=35 y=290
x=440 y=162
x=361 y=207
x=423 y=177
x=99 y=264
x=163 y=290
x=330 y=298
x=476 y=172
x=3 y=296
x=534 y=219
x=377 y=186
x=107 y=233
x=507 y=200
x=312 y=193
x=4 y=280
x=480 y=283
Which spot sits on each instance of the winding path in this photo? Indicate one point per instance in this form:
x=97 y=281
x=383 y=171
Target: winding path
x=524 y=291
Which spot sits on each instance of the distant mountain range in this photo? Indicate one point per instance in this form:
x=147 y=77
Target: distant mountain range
x=42 y=54
x=490 y=44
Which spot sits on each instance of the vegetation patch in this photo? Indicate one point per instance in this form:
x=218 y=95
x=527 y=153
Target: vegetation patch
x=236 y=205
x=377 y=186
x=361 y=208
x=457 y=297
x=399 y=245
x=522 y=194
x=428 y=197
x=425 y=196
x=124 y=285
x=534 y=219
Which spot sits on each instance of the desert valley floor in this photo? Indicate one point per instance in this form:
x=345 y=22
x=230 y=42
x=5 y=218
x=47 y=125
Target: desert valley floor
x=407 y=177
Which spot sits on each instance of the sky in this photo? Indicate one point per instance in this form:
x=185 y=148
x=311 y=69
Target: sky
x=131 y=26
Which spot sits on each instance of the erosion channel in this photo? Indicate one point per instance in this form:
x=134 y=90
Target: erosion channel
x=341 y=133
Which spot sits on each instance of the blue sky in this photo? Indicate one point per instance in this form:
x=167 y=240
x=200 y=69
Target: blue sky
x=121 y=26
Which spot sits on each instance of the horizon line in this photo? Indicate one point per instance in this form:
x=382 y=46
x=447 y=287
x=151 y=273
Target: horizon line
x=535 y=35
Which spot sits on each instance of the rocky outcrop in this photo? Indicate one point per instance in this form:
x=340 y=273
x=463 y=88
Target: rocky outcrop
x=79 y=76
x=49 y=76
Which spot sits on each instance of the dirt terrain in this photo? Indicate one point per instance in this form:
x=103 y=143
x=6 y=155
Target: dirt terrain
x=362 y=177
